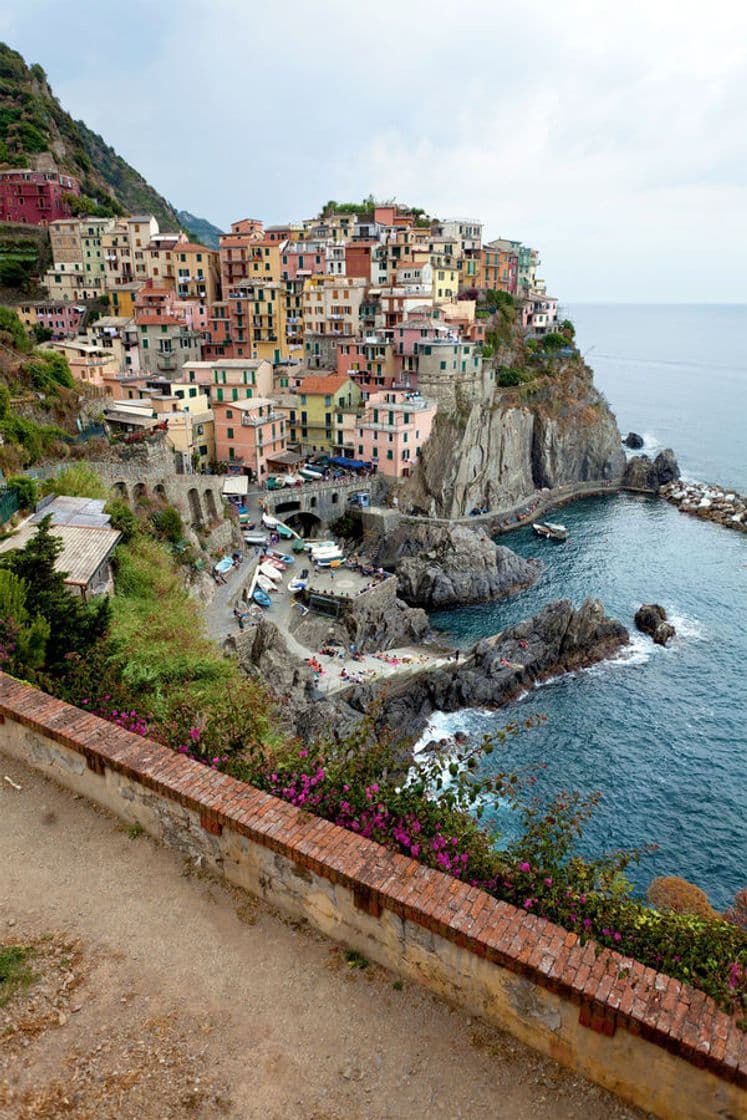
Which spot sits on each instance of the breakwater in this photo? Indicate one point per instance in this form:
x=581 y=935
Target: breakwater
x=710 y=503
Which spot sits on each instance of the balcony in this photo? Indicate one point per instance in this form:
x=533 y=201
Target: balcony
x=166 y=362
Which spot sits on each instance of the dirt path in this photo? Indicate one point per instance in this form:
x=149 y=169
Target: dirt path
x=164 y=994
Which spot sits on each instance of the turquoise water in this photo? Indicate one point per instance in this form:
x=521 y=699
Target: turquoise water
x=661 y=733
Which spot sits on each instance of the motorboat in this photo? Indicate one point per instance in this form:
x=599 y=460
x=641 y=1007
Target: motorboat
x=269 y=522
x=283 y=531
x=270 y=572
x=261 y=597
x=327 y=551
x=550 y=530
x=313 y=546
x=256 y=539
x=297 y=584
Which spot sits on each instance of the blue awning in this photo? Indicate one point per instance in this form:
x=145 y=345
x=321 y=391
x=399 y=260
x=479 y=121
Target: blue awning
x=349 y=464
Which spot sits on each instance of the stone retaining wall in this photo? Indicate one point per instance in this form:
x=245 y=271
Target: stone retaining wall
x=647 y=1037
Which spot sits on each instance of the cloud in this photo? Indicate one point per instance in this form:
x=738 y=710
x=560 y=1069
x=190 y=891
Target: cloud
x=611 y=136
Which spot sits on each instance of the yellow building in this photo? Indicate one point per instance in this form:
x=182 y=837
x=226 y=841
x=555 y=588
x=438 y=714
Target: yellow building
x=318 y=410
x=258 y=313
x=122 y=299
x=264 y=260
x=197 y=272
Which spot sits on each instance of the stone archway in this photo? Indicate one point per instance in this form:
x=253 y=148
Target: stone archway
x=307 y=524
x=287 y=507
x=212 y=508
x=195 y=508
x=139 y=491
x=119 y=490
x=160 y=489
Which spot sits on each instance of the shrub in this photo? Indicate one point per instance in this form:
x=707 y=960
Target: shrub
x=122 y=518
x=509 y=377
x=76 y=481
x=10 y=324
x=553 y=341
x=25 y=489
x=169 y=524
x=49 y=370
x=668 y=892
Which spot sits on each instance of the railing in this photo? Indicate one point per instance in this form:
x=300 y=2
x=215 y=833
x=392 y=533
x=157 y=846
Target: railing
x=8 y=504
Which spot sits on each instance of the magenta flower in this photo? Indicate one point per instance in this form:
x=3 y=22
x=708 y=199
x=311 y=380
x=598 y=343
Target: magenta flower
x=528 y=903
x=525 y=866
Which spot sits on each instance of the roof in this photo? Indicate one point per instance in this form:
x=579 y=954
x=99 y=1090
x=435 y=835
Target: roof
x=193 y=247
x=323 y=384
x=286 y=458
x=137 y=419
x=237 y=484
x=84 y=548
x=245 y=406
x=66 y=510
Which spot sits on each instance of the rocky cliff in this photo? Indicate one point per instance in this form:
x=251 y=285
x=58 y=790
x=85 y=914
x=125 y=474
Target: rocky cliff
x=558 y=639
x=449 y=565
x=554 y=429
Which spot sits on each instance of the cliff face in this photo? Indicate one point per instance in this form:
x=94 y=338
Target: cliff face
x=554 y=430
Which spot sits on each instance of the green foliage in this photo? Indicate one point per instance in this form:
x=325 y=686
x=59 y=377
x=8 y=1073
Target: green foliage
x=23 y=640
x=123 y=519
x=510 y=377
x=11 y=325
x=168 y=523
x=40 y=333
x=25 y=489
x=33 y=440
x=48 y=370
x=499 y=298
x=15 y=974
x=568 y=328
x=553 y=341
x=76 y=481
x=74 y=625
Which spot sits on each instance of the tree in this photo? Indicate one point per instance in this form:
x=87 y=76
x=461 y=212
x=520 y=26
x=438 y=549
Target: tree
x=41 y=333
x=122 y=518
x=25 y=489
x=23 y=641
x=74 y=625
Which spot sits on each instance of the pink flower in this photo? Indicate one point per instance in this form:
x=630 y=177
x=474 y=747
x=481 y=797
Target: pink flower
x=617 y=936
x=525 y=866
x=548 y=881
x=528 y=903
x=587 y=923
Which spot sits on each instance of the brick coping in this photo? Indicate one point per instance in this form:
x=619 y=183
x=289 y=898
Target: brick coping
x=611 y=990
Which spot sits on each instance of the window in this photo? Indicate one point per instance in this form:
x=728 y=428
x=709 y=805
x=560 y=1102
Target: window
x=229 y=433
x=229 y=414
x=390 y=454
x=220 y=394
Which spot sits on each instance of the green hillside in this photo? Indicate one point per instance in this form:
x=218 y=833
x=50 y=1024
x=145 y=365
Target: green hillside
x=199 y=229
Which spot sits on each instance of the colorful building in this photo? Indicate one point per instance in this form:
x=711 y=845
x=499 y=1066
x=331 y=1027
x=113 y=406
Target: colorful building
x=35 y=198
x=312 y=413
x=248 y=432
x=393 y=428
x=57 y=316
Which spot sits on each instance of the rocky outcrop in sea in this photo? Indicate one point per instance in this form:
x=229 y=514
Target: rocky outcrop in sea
x=558 y=639
x=651 y=619
x=710 y=503
x=441 y=566
x=643 y=474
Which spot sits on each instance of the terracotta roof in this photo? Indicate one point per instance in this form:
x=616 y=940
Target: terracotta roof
x=193 y=247
x=322 y=383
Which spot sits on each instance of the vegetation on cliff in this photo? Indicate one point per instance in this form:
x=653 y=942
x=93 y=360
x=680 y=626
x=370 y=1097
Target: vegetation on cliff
x=35 y=131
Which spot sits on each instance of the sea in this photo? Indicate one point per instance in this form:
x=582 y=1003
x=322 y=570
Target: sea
x=660 y=733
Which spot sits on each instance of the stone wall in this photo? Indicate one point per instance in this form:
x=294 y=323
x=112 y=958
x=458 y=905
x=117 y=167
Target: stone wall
x=645 y=1036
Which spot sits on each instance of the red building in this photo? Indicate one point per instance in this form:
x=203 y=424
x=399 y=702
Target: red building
x=35 y=198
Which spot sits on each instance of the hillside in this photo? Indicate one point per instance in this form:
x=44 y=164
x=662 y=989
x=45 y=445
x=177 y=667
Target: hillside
x=200 y=229
x=35 y=131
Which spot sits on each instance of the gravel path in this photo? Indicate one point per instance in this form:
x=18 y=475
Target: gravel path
x=190 y=999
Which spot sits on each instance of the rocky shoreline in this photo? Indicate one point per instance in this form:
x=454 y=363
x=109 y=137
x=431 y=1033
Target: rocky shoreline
x=709 y=503
x=496 y=670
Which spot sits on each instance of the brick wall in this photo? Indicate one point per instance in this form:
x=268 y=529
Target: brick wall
x=646 y=1036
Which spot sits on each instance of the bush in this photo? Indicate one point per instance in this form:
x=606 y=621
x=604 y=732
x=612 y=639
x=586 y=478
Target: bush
x=76 y=481
x=25 y=489
x=123 y=519
x=49 y=370
x=553 y=341
x=169 y=524
x=12 y=326
x=510 y=377
x=668 y=892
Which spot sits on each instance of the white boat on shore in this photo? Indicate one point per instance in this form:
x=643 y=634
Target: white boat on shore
x=297 y=584
x=550 y=531
x=269 y=571
x=326 y=554
x=269 y=522
x=266 y=585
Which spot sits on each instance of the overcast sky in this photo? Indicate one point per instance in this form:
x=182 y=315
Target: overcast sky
x=609 y=135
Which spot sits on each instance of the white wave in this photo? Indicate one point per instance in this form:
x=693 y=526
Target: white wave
x=651 y=441
x=687 y=628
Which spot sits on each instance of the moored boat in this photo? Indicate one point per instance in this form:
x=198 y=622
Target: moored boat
x=261 y=597
x=273 y=554
x=550 y=531
x=297 y=584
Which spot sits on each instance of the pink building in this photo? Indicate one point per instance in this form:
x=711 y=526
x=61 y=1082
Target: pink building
x=249 y=433
x=302 y=258
x=395 y=425
x=35 y=198
x=58 y=316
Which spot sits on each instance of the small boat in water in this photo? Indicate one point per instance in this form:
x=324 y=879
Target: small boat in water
x=550 y=531
x=261 y=597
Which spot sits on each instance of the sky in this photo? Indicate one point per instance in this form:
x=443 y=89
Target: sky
x=611 y=136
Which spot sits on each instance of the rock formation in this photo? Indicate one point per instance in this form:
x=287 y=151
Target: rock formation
x=554 y=431
x=557 y=639
x=711 y=503
x=633 y=441
x=451 y=565
x=651 y=619
x=642 y=474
